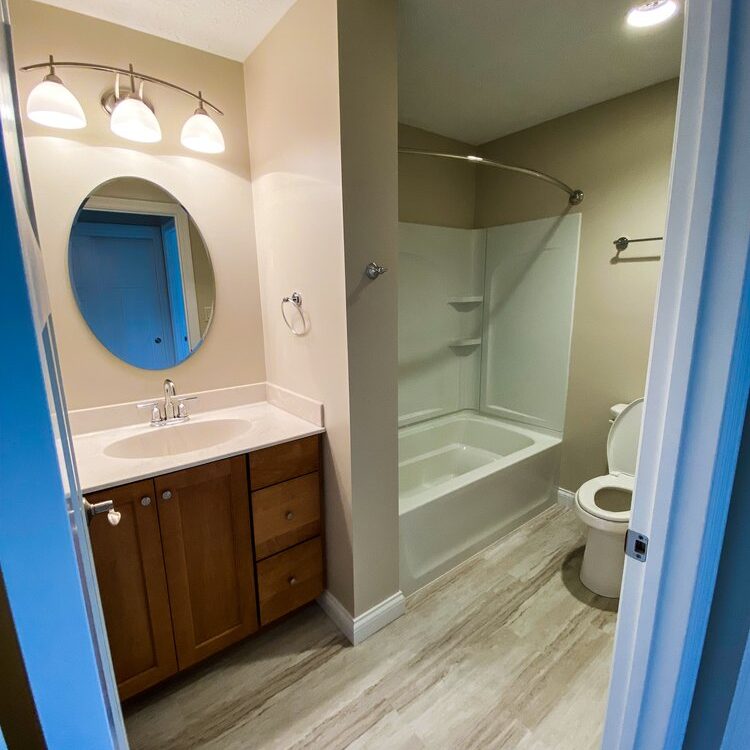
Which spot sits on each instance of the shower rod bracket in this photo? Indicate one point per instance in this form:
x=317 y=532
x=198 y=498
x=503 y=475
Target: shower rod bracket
x=575 y=197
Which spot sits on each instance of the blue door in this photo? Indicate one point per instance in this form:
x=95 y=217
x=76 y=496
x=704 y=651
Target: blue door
x=45 y=556
x=119 y=279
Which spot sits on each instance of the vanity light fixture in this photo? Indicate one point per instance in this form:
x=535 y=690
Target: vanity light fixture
x=652 y=13
x=201 y=133
x=51 y=104
x=131 y=115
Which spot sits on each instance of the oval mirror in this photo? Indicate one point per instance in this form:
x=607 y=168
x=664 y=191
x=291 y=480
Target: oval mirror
x=141 y=273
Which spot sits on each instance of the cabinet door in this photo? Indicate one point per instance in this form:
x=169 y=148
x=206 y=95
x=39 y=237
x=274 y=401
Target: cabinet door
x=205 y=527
x=133 y=588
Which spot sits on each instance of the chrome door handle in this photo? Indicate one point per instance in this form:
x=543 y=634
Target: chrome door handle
x=105 y=506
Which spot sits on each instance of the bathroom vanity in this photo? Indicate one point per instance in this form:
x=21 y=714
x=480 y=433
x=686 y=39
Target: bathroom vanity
x=202 y=557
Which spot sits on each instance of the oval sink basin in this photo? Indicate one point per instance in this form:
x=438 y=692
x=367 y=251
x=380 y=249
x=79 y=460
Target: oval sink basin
x=176 y=439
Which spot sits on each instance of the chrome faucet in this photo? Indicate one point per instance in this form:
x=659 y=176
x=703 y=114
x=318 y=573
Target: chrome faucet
x=169 y=394
x=166 y=413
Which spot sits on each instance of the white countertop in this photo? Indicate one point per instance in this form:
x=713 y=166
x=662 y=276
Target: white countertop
x=269 y=425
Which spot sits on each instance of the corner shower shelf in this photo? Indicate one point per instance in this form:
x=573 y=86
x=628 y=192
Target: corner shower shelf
x=461 y=343
x=466 y=300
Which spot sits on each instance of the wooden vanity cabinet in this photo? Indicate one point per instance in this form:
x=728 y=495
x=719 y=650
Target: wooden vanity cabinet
x=177 y=576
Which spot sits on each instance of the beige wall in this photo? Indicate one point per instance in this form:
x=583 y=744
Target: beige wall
x=435 y=191
x=317 y=225
x=292 y=96
x=369 y=140
x=619 y=153
x=216 y=191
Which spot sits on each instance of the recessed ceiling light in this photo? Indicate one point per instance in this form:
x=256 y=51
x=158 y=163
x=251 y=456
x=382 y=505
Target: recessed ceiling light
x=471 y=157
x=652 y=13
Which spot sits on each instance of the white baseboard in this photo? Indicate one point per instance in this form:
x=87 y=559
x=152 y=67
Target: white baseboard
x=566 y=498
x=358 y=629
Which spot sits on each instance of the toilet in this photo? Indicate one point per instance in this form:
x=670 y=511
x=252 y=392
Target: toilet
x=603 y=504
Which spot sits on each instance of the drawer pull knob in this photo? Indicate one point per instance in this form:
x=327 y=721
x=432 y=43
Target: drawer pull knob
x=292 y=581
x=145 y=501
x=166 y=495
x=290 y=516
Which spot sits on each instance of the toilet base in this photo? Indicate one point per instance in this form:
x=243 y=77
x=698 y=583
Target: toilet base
x=603 y=562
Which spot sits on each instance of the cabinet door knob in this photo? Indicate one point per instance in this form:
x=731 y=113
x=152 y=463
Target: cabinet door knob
x=289 y=516
x=145 y=501
x=292 y=580
x=166 y=495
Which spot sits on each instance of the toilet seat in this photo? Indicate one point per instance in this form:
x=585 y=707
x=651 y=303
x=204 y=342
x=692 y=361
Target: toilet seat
x=586 y=496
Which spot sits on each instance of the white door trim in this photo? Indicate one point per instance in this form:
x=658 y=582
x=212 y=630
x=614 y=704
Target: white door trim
x=696 y=391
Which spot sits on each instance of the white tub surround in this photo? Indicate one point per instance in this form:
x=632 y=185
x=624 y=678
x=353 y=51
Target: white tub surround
x=248 y=427
x=465 y=481
x=440 y=287
x=485 y=318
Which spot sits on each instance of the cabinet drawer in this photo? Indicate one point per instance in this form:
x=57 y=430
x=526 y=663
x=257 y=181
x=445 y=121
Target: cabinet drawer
x=281 y=462
x=290 y=579
x=286 y=514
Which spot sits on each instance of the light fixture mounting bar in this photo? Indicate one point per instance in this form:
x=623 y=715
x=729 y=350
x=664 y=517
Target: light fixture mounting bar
x=574 y=196
x=123 y=71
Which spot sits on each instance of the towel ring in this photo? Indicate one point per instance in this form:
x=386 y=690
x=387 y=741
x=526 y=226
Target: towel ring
x=296 y=299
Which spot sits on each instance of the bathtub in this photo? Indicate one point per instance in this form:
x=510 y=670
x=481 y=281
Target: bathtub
x=465 y=480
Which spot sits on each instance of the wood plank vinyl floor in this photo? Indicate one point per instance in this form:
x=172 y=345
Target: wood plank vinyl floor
x=508 y=650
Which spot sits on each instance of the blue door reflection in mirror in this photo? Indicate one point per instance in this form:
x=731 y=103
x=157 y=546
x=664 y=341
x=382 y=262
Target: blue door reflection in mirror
x=141 y=274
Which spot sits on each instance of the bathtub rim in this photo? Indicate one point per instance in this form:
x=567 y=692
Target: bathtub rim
x=542 y=440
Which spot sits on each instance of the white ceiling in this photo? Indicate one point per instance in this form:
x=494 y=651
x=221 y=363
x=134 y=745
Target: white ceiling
x=479 y=69
x=230 y=28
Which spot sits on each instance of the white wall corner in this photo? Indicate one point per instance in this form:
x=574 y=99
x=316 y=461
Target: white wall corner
x=359 y=629
x=566 y=498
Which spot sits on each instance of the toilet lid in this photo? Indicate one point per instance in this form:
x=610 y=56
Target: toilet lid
x=622 y=442
x=608 y=497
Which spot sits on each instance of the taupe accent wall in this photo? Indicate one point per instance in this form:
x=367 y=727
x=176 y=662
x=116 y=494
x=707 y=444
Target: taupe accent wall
x=619 y=153
x=369 y=143
x=435 y=191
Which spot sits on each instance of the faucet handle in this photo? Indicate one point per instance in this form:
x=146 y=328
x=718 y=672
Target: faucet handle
x=156 y=416
x=182 y=412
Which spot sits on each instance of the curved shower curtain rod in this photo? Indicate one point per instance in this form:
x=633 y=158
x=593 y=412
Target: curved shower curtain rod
x=574 y=196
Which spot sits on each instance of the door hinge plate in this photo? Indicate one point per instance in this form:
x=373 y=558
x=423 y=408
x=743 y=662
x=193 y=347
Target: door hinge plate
x=636 y=545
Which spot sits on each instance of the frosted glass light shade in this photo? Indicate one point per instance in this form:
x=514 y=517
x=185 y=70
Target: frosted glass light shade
x=51 y=104
x=652 y=13
x=201 y=133
x=133 y=120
